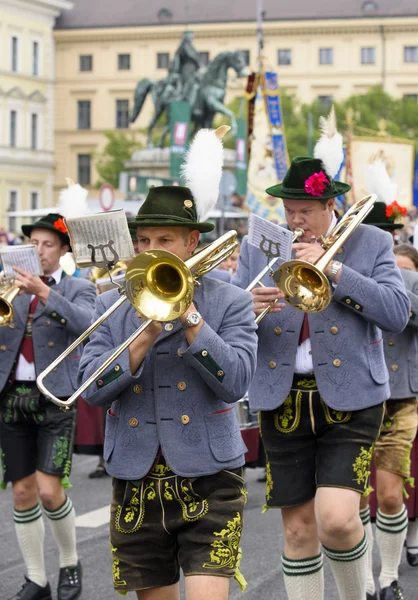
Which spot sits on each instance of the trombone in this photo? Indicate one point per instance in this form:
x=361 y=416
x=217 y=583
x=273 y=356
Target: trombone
x=160 y=286
x=269 y=269
x=8 y=292
x=305 y=285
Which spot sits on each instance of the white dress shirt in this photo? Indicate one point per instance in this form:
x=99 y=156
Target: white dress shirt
x=303 y=362
x=25 y=371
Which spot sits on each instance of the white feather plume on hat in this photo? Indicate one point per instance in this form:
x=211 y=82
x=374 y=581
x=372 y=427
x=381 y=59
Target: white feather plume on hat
x=379 y=181
x=202 y=169
x=329 y=147
x=73 y=200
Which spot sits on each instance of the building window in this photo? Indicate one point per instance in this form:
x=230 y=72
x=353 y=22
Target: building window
x=15 y=54
x=284 y=57
x=35 y=58
x=34 y=203
x=34 y=131
x=163 y=60
x=204 y=59
x=410 y=54
x=12 y=208
x=410 y=98
x=122 y=114
x=84 y=169
x=13 y=129
x=84 y=120
x=124 y=62
x=325 y=102
x=326 y=56
x=368 y=56
x=86 y=62
x=246 y=56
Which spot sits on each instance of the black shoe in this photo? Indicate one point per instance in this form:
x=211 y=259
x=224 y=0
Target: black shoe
x=371 y=596
x=262 y=478
x=99 y=472
x=412 y=558
x=32 y=591
x=69 y=584
x=393 y=592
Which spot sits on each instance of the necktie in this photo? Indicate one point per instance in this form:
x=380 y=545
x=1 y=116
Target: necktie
x=304 y=332
x=26 y=347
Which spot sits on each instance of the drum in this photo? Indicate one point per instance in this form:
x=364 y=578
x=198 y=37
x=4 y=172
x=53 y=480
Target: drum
x=248 y=422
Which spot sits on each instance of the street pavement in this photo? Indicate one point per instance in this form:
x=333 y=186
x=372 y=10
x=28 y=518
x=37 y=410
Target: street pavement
x=262 y=544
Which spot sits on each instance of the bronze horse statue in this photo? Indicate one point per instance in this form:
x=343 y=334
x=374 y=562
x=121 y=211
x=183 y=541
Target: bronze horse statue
x=210 y=94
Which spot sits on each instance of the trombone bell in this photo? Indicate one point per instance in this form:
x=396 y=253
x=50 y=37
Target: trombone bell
x=304 y=286
x=159 y=285
x=7 y=295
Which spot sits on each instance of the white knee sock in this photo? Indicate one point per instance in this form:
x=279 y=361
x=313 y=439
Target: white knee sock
x=30 y=531
x=412 y=537
x=62 y=523
x=367 y=524
x=304 y=579
x=350 y=570
x=390 y=538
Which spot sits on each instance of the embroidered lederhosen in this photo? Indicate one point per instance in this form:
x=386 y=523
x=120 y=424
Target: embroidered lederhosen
x=310 y=445
x=34 y=434
x=393 y=448
x=169 y=521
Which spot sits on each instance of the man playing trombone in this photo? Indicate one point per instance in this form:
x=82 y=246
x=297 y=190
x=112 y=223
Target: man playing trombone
x=321 y=382
x=173 y=442
x=36 y=437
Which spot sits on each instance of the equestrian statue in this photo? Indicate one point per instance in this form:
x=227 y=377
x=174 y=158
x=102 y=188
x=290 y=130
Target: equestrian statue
x=205 y=91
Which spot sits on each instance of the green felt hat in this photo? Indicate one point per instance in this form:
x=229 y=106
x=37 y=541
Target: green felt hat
x=377 y=217
x=53 y=222
x=305 y=176
x=169 y=206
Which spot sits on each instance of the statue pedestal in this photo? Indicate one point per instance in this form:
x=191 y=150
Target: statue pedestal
x=155 y=162
x=150 y=162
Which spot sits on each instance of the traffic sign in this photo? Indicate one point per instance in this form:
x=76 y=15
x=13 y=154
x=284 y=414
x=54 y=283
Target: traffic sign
x=107 y=197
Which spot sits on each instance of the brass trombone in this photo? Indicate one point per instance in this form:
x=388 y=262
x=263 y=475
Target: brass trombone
x=8 y=292
x=305 y=285
x=269 y=269
x=160 y=286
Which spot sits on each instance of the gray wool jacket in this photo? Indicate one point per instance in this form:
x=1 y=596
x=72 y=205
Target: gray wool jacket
x=182 y=398
x=401 y=349
x=55 y=326
x=346 y=338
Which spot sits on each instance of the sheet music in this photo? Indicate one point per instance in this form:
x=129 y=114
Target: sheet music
x=26 y=257
x=106 y=235
x=274 y=241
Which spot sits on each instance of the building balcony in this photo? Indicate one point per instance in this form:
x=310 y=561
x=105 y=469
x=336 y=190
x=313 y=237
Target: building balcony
x=26 y=157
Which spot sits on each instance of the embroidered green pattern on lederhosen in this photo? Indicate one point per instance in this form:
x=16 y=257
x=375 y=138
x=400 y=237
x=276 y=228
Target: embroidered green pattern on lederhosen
x=226 y=549
x=287 y=418
x=161 y=485
x=333 y=417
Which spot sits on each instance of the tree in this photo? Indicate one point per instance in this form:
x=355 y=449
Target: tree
x=109 y=162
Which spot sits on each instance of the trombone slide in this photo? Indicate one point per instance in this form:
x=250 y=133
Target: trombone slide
x=149 y=272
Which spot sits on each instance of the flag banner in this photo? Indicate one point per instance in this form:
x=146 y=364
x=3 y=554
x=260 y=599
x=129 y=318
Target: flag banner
x=180 y=114
x=241 y=157
x=274 y=110
x=340 y=201
x=398 y=156
x=415 y=198
x=267 y=151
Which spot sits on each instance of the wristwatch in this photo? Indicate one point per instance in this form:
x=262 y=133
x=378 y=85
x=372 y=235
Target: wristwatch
x=335 y=267
x=192 y=320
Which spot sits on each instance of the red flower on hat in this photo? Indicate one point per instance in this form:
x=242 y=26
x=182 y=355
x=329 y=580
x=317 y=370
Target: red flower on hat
x=60 y=225
x=395 y=211
x=316 y=183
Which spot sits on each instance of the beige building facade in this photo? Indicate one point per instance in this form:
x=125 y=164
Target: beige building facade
x=98 y=68
x=27 y=58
